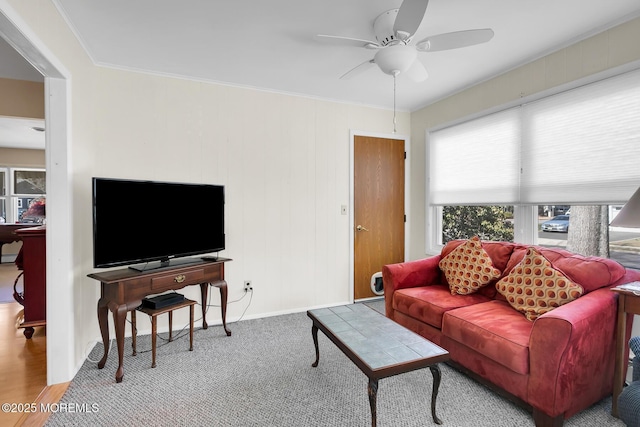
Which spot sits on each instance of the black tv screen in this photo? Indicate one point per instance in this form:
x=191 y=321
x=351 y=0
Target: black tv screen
x=143 y=221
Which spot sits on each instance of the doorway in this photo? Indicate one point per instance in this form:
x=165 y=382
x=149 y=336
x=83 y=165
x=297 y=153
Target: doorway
x=379 y=219
x=60 y=309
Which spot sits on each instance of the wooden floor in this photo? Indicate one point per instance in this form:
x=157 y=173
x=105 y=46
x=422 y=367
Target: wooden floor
x=23 y=365
x=23 y=362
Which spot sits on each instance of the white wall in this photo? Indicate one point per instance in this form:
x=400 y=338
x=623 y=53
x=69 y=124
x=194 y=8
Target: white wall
x=283 y=159
x=605 y=51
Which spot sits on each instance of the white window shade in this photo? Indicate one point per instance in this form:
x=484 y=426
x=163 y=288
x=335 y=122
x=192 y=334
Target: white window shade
x=583 y=146
x=476 y=162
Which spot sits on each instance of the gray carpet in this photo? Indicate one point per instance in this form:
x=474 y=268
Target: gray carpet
x=262 y=376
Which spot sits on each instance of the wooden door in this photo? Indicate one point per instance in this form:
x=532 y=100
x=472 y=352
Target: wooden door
x=379 y=215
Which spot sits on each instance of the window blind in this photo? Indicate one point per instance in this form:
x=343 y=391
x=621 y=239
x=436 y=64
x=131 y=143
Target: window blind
x=581 y=146
x=476 y=162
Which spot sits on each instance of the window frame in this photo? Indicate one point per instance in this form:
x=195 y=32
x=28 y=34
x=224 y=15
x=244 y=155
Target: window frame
x=12 y=198
x=4 y=197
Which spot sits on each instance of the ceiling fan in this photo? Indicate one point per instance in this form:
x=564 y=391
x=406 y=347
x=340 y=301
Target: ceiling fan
x=394 y=30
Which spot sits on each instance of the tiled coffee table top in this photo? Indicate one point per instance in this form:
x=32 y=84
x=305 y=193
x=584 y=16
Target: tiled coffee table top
x=376 y=340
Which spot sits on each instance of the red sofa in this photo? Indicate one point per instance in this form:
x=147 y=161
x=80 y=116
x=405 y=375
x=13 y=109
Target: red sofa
x=556 y=365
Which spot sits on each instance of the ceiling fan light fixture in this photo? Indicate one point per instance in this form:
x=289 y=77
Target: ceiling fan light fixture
x=397 y=54
x=395 y=59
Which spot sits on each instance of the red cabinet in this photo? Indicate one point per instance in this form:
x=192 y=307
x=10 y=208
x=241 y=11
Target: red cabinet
x=34 y=254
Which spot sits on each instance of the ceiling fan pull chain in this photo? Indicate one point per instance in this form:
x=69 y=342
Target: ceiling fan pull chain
x=394 y=102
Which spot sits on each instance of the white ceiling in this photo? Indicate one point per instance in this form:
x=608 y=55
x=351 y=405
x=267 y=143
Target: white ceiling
x=270 y=45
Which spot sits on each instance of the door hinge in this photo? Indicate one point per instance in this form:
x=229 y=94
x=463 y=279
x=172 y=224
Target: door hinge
x=405 y=218
x=405 y=155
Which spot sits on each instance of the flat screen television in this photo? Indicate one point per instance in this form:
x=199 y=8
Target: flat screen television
x=147 y=224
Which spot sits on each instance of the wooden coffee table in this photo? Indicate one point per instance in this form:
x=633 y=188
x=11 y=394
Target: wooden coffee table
x=378 y=346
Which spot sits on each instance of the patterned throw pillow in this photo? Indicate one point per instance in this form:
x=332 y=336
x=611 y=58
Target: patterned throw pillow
x=468 y=268
x=534 y=287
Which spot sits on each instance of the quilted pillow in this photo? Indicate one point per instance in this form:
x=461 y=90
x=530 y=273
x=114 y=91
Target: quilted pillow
x=468 y=268
x=590 y=272
x=534 y=287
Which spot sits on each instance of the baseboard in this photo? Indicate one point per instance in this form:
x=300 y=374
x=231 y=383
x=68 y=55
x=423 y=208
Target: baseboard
x=370 y=299
x=50 y=395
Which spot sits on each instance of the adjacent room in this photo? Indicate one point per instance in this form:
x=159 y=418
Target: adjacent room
x=282 y=213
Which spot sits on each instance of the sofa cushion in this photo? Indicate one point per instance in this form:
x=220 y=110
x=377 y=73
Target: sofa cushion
x=499 y=252
x=590 y=272
x=534 y=287
x=493 y=329
x=429 y=303
x=468 y=268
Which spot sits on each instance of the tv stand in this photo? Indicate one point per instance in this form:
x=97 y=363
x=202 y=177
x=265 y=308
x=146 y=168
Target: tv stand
x=123 y=290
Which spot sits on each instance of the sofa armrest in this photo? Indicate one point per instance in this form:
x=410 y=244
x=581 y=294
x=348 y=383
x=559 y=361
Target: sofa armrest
x=572 y=354
x=409 y=274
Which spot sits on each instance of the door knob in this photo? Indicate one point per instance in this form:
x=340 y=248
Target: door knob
x=361 y=228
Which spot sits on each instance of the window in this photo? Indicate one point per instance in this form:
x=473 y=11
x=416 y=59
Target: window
x=29 y=181
x=486 y=222
x=22 y=195
x=29 y=188
x=623 y=244
x=577 y=147
x=464 y=170
x=3 y=195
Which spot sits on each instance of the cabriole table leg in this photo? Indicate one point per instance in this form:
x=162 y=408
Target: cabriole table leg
x=435 y=371
x=372 y=390
x=314 y=333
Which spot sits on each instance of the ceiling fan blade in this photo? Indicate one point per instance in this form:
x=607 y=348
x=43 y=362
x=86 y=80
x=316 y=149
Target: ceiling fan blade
x=410 y=16
x=455 y=40
x=358 y=69
x=350 y=41
x=417 y=72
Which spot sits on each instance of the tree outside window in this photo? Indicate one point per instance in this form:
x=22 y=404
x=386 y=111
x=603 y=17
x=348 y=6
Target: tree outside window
x=486 y=222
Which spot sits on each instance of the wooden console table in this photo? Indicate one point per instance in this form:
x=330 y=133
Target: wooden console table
x=8 y=234
x=628 y=303
x=123 y=290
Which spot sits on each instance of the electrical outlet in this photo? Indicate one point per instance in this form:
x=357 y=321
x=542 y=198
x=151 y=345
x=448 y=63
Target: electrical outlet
x=247 y=286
